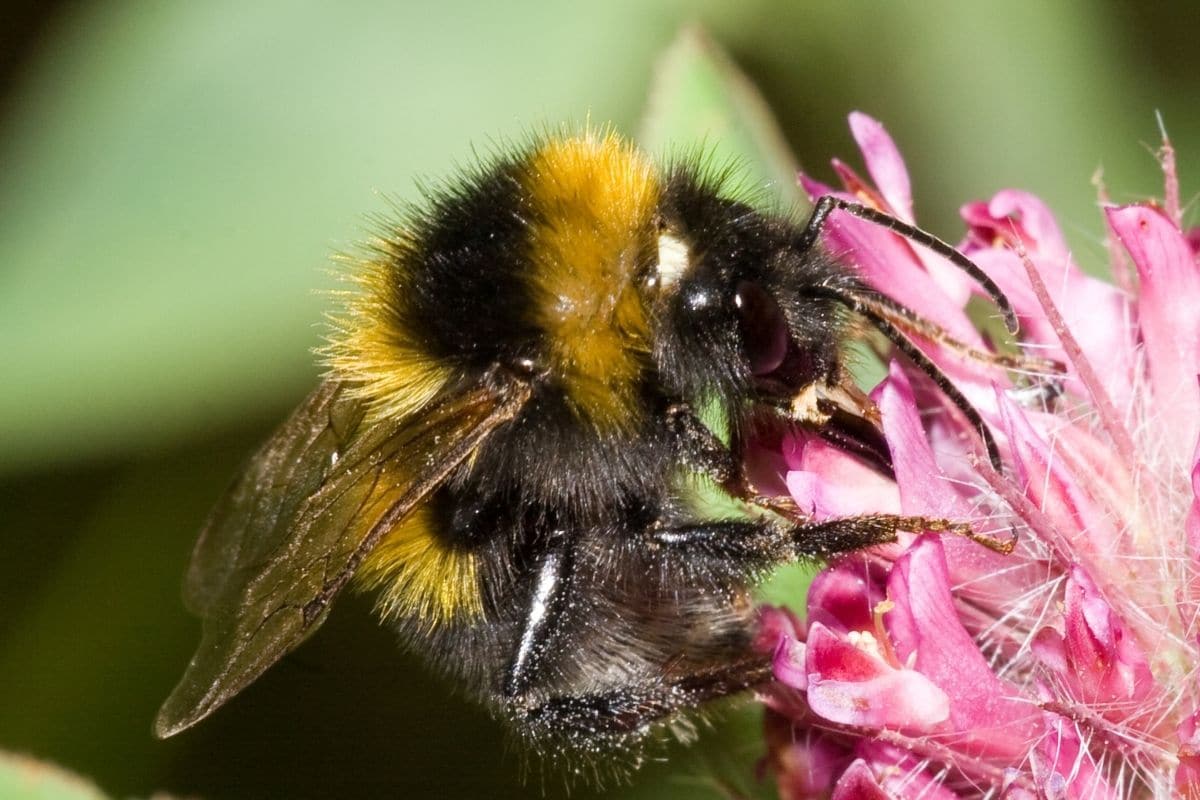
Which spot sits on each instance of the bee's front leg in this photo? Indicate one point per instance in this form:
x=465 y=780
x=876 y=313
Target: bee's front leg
x=703 y=451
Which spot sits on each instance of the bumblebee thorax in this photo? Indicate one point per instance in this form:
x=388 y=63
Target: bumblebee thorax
x=593 y=201
x=536 y=259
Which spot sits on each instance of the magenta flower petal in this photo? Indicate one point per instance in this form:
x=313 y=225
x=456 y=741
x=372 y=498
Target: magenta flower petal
x=1014 y=791
x=927 y=633
x=1050 y=484
x=829 y=482
x=923 y=486
x=1065 y=769
x=858 y=783
x=884 y=163
x=1069 y=668
x=901 y=774
x=884 y=260
x=815 y=188
x=1109 y=667
x=805 y=762
x=886 y=168
x=790 y=663
x=775 y=623
x=891 y=264
x=1192 y=530
x=1097 y=313
x=1017 y=217
x=843 y=598
x=850 y=685
x=1167 y=314
x=927 y=490
x=1187 y=774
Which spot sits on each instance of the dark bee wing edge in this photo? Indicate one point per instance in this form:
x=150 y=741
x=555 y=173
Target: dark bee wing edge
x=291 y=465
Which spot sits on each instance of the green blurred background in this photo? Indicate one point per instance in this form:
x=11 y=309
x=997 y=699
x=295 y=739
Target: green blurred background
x=173 y=177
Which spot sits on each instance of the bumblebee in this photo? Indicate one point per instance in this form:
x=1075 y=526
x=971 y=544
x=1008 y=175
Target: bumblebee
x=509 y=440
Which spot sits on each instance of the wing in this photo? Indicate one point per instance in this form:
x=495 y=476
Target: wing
x=294 y=527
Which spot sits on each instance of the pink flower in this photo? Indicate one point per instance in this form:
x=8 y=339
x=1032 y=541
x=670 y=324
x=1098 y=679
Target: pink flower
x=1071 y=668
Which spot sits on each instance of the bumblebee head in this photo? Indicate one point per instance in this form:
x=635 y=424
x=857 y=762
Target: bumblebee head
x=735 y=311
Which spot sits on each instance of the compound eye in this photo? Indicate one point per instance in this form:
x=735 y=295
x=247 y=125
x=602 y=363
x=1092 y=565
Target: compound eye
x=764 y=328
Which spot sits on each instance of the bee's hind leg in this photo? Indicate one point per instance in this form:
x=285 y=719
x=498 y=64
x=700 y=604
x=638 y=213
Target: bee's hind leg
x=547 y=708
x=596 y=721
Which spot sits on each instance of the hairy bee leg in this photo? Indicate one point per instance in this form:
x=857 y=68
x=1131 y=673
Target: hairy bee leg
x=739 y=546
x=748 y=545
x=628 y=711
x=703 y=451
x=616 y=716
x=847 y=534
x=546 y=605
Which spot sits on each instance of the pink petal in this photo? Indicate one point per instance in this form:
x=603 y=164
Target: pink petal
x=890 y=264
x=826 y=481
x=924 y=488
x=1063 y=767
x=1192 y=529
x=1050 y=649
x=790 y=663
x=1187 y=774
x=1192 y=237
x=901 y=773
x=887 y=170
x=1044 y=474
x=843 y=597
x=884 y=163
x=775 y=623
x=858 y=783
x=851 y=686
x=1167 y=314
x=1022 y=217
x=857 y=188
x=926 y=632
x=1014 y=791
x=815 y=188
x=806 y=768
x=1111 y=669
x=1098 y=315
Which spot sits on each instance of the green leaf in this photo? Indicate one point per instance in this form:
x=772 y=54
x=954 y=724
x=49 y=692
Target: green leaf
x=699 y=95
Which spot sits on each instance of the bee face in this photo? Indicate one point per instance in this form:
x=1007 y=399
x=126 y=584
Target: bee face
x=736 y=320
x=506 y=443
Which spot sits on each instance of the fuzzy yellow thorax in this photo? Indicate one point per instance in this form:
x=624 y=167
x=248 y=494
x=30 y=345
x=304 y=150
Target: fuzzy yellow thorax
x=594 y=198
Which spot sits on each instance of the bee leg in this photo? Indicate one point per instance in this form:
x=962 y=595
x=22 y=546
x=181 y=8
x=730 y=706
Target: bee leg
x=846 y=534
x=701 y=450
x=546 y=606
x=745 y=546
x=587 y=719
x=622 y=715
x=737 y=548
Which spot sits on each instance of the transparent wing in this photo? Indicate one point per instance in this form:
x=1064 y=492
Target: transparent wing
x=293 y=528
